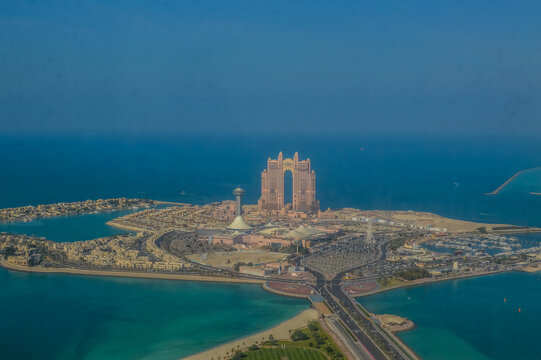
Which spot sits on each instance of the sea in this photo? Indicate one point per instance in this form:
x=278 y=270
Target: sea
x=81 y=317
x=61 y=316
x=489 y=317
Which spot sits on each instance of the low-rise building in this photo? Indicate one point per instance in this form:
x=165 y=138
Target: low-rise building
x=250 y=270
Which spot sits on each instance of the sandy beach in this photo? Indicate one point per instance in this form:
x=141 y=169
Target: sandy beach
x=452 y=225
x=279 y=332
x=132 y=274
x=125 y=227
x=533 y=268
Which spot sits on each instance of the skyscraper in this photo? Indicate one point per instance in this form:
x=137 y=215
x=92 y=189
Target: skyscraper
x=304 y=184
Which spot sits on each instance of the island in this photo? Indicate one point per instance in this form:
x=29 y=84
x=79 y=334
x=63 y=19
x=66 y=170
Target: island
x=328 y=257
x=29 y=213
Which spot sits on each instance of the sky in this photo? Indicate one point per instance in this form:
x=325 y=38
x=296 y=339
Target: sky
x=281 y=67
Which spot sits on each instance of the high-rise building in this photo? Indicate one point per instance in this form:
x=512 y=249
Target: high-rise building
x=304 y=184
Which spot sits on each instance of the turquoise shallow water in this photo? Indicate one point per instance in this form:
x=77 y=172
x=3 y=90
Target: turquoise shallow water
x=68 y=228
x=468 y=318
x=56 y=316
x=68 y=317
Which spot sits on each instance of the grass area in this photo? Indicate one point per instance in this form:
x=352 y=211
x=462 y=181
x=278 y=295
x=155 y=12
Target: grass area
x=413 y=274
x=311 y=343
x=289 y=353
x=390 y=282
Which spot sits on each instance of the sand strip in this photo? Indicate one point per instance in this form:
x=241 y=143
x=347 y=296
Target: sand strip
x=279 y=332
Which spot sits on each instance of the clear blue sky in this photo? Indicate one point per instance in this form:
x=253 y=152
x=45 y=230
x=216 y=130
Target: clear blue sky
x=177 y=67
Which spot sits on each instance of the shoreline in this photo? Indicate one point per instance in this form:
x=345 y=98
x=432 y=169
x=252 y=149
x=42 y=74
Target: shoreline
x=112 y=223
x=277 y=292
x=160 y=202
x=428 y=281
x=126 y=274
x=279 y=332
x=38 y=218
x=528 y=269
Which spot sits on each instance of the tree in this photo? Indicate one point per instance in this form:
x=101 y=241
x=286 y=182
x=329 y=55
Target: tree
x=413 y=274
x=317 y=339
x=8 y=251
x=272 y=341
x=237 y=266
x=298 y=335
x=238 y=356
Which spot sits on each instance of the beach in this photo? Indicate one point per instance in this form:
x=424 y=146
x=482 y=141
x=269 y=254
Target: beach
x=279 y=332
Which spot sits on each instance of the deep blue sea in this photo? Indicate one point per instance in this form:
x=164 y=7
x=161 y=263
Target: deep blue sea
x=446 y=176
x=68 y=317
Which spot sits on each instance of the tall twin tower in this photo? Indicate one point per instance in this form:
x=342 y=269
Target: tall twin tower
x=304 y=184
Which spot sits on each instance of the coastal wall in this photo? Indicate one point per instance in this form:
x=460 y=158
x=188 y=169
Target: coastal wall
x=131 y=274
x=427 y=281
x=269 y=289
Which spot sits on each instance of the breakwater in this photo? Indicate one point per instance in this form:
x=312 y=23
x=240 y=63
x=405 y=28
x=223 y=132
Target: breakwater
x=500 y=188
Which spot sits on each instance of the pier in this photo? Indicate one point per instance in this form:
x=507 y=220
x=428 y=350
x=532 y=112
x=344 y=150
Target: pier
x=495 y=192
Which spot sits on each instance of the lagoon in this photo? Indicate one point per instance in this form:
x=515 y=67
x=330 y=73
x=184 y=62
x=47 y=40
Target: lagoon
x=68 y=228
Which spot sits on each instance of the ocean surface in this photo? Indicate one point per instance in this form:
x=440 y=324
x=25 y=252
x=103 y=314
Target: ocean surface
x=448 y=176
x=66 y=317
x=68 y=228
x=59 y=316
x=490 y=317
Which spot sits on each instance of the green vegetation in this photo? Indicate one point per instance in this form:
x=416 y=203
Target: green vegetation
x=482 y=230
x=389 y=281
x=311 y=343
x=395 y=244
x=299 y=335
x=290 y=353
x=237 y=266
x=413 y=274
x=506 y=260
x=9 y=251
x=292 y=249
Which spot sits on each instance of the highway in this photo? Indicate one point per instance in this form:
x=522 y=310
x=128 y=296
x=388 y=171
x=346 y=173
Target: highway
x=354 y=319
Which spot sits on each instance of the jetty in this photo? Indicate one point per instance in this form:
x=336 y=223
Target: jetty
x=495 y=192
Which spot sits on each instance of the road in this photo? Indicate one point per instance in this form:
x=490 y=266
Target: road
x=352 y=345
x=354 y=319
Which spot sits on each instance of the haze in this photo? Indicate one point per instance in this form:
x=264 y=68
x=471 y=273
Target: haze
x=355 y=67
